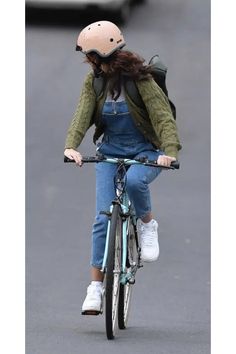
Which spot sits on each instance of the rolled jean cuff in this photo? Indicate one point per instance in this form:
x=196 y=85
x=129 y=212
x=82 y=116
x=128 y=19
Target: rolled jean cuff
x=98 y=266
x=144 y=215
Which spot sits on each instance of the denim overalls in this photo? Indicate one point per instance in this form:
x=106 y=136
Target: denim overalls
x=121 y=139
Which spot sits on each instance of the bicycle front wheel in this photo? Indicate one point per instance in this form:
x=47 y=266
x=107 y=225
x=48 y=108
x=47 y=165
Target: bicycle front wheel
x=113 y=272
x=126 y=289
x=124 y=305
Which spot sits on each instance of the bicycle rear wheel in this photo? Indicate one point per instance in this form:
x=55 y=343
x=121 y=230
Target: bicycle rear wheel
x=113 y=272
x=126 y=289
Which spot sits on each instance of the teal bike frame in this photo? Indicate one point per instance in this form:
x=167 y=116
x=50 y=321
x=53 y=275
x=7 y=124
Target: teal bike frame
x=126 y=209
x=128 y=212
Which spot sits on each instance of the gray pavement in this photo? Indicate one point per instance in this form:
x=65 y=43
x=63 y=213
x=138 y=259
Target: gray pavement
x=171 y=301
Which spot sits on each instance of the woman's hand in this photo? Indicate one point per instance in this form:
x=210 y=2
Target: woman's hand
x=165 y=160
x=73 y=155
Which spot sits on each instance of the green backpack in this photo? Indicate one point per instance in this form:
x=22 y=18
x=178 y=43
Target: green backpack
x=159 y=71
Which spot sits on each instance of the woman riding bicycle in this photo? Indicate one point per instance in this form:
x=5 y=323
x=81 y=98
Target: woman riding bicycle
x=124 y=132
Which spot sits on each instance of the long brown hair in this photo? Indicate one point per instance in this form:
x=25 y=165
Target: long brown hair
x=120 y=65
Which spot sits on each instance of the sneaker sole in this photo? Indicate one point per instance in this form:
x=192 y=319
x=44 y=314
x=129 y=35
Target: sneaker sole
x=91 y=312
x=149 y=260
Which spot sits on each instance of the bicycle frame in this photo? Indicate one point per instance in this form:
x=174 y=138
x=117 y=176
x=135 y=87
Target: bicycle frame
x=126 y=208
x=123 y=200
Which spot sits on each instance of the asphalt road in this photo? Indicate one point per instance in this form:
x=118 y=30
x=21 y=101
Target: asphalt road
x=170 y=311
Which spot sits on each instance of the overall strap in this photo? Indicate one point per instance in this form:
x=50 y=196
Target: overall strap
x=133 y=93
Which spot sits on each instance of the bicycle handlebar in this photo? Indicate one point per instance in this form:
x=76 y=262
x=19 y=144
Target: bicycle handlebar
x=143 y=161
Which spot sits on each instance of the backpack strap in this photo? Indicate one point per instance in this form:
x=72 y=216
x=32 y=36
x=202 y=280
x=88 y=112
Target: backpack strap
x=98 y=85
x=133 y=92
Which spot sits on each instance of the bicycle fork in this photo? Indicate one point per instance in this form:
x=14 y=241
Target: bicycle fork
x=134 y=265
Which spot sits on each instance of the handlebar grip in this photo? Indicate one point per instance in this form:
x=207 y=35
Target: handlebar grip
x=67 y=159
x=84 y=159
x=175 y=164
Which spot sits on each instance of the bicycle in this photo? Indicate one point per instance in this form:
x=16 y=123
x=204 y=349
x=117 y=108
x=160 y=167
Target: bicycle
x=122 y=256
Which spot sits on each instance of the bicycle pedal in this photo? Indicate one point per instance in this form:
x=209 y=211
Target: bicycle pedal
x=91 y=313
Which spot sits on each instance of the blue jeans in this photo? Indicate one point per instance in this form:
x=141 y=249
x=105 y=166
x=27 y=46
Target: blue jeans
x=121 y=139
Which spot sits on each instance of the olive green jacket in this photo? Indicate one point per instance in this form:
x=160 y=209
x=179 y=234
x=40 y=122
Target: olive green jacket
x=158 y=127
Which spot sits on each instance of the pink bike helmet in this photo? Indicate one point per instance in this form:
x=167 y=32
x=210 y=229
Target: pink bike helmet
x=102 y=37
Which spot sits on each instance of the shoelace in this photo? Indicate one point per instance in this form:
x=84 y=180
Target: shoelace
x=150 y=237
x=148 y=240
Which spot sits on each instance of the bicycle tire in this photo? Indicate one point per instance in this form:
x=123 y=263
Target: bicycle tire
x=113 y=272
x=124 y=305
x=126 y=289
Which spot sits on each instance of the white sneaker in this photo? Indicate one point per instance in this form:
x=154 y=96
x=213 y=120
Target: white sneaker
x=148 y=237
x=92 y=304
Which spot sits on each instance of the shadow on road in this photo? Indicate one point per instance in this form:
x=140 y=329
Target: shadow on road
x=194 y=337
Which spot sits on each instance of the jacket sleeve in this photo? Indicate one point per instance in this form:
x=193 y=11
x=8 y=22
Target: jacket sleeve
x=160 y=114
x=83 y=115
